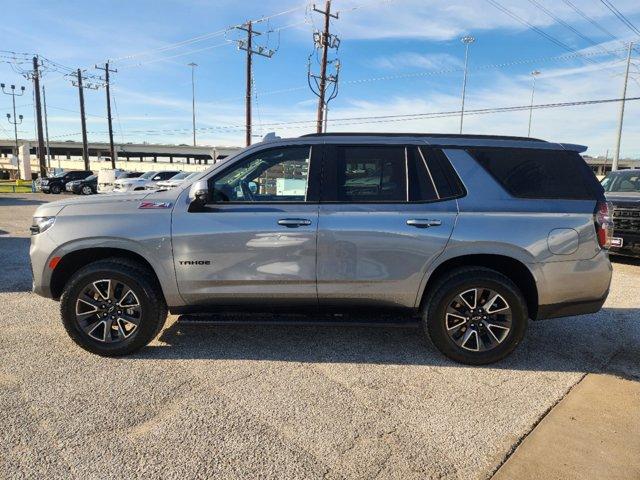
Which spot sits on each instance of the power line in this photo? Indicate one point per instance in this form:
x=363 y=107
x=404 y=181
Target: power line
x=203 y=37
x=593 y=22
x=383 y=118
x=620 y=16
x=162 y=59
x=530 y=25
x=566 y=25
x=444 y=71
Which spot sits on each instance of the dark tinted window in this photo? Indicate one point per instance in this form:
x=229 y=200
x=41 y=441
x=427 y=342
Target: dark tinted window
x=370 y=174
x=444 y=176
x=421 y=185
x=531 y=173
x=165 y=175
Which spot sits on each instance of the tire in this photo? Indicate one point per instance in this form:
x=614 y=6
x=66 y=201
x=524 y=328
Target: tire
x=124 y=336
x=448 y=319
x=86 y=190
x=56 y=189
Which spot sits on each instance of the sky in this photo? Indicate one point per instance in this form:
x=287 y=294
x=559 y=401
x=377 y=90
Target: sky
x=397 y=57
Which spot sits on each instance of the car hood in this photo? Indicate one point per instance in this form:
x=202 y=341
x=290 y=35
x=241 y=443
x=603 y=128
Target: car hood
x=130 y=181
x=623 y=198
x=54 y=208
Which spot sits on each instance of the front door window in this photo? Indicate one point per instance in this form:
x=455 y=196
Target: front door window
x=276 y=175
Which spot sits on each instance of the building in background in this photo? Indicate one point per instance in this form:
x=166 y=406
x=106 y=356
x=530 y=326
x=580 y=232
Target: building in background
x=130 y=156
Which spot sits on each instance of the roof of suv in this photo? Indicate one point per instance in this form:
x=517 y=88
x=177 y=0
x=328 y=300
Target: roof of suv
x=425 y=135
x=449 y=139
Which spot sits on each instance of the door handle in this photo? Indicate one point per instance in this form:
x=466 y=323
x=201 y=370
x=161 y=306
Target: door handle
x=423 y=223
x=294 y=222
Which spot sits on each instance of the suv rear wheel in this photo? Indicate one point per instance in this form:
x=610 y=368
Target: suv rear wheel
x=475 y=315
x=113 y=307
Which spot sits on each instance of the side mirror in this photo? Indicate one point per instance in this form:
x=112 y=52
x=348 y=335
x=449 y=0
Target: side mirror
x=198 y=196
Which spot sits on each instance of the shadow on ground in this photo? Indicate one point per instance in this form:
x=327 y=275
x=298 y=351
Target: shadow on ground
x=6 y=201
x=586 y=344
x=15 y=275
x=625 y=260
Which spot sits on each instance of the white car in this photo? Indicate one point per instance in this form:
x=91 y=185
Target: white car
x=140 y=183
x=173 y=182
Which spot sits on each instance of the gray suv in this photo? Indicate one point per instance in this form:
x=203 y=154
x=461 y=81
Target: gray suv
x=475 y=235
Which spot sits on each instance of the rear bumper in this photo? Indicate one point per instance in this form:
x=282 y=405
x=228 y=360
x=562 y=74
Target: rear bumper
x=570 y=309
x=573 y=287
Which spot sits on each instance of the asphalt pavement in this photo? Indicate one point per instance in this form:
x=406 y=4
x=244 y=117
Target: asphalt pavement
x=274 y=401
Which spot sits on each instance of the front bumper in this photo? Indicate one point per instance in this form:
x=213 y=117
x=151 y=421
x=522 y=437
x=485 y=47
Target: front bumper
x=630 y=244
x=40 y=251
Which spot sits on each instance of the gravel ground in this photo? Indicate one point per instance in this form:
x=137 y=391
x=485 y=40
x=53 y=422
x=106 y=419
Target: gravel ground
x=278 y=401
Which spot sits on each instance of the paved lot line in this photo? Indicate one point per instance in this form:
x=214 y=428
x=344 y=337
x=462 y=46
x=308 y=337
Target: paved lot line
x=594 y=432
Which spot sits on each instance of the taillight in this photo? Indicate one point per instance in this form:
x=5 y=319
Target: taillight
x=603 y=217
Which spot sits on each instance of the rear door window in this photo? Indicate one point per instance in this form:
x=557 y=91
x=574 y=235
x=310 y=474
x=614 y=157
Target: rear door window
x=365 y=173
x=538 y=173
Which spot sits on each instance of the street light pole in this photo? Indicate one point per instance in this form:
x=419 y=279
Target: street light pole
x=16 y=120
x=534 y=74
x=193 y=99
x=466 y=40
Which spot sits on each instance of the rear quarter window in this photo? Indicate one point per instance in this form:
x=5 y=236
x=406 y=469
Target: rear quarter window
x=537 y=173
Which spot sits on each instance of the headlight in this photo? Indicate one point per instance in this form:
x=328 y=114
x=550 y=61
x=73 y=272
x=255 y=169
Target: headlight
x=40 y=224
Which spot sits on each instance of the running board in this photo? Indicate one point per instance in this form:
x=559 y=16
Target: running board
x=301 y=320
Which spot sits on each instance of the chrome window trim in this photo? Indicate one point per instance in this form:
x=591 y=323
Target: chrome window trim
x=424 y=160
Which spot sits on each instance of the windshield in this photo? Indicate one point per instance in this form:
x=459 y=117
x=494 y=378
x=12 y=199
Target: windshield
x=147 y=175
x=180 y=176
x=91 y=178
x=622 y=182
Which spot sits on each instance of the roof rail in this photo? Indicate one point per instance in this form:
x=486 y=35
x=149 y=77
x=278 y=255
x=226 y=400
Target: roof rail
x=423 y=135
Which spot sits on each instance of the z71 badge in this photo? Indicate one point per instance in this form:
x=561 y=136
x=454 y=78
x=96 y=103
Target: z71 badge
x=148 y=205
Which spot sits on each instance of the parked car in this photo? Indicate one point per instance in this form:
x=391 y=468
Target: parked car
x=475 y=235
x=88 y=186
x=57 y=183
x=107 y=178
x=622 y=189
x=173 y=182
x=148 y=178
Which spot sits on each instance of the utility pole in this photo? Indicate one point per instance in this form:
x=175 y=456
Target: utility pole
x=193 y=99
x=534 y=74
x=326 y=41
x=46 y=126
x=36 y=88
x=112 y=149
x=83 y=121
x=466 y=40
x=318 y=84
x=247 y=45
x=16 y=120
x=616 y=153
x=334 y=79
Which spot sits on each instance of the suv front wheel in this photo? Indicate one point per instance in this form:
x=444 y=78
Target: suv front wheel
x=475 y=315
x=113 y=307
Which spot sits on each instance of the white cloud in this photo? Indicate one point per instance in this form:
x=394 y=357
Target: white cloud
x=433 y=61
x=448 y=19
